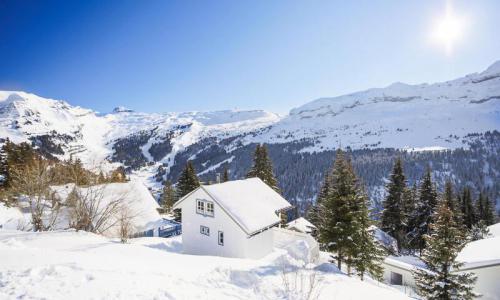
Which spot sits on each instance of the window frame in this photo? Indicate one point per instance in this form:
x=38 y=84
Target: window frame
x=205 y=230
x=202 y=208
x=220 y=238
x=209 y=212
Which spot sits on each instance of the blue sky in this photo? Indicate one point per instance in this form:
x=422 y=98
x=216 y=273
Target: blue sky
x=209 y=55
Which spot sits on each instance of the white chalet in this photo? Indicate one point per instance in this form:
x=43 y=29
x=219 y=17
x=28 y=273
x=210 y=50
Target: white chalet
x=231 y=219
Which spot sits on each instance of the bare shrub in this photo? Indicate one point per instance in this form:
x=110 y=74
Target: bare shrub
x=91 y=211
x=32 y=183
x=299 y=283
x=125 y=223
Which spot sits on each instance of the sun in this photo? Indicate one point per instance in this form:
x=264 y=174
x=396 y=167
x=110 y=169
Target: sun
x=448 y=29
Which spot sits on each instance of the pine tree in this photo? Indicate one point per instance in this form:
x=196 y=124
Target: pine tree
x=188 y=181
x=467 y=208
x=314 y=212
x=485 y=211
x=263 y=168
x=368 y=253
x=225 y=175
x=4 y=166
x=425 y=208
x=450 y=200
x=444 y=242
x=393 y=219
x=410 y=210
x=343 y=220
x=167 y=197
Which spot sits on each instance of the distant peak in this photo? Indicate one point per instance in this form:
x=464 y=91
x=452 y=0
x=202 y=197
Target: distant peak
x=121 y=109
x=494 y=68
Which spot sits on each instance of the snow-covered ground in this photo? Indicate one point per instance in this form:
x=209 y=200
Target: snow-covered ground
x=80 y=265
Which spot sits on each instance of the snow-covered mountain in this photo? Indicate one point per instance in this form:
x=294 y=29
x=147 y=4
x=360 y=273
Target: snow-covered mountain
x=67 y=130
x=399 y=116
x=155 y=146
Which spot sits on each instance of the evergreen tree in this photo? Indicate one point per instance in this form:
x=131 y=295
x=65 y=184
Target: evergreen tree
x=167 y=197
x=444 y=242
x=4 y=166
x=410 y=210
x=485 y=211
x=225 y=175
x=343 y=221
x=263 y=168
x=393 y=219
x=188 y=181
x=427 y=202
x=314 y=213
x=450 y=200
x=368 y=253
x=467 y=208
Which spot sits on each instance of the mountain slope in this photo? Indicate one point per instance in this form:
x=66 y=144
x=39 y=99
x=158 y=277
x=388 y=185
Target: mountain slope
x=155 y=146
x=399 y=116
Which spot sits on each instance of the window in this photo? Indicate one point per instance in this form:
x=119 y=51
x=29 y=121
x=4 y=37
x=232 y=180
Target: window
x=204 y=230
x=221 y=238
x=200 y=207
x=396 y=278
x=210 y=208
x=205 y=208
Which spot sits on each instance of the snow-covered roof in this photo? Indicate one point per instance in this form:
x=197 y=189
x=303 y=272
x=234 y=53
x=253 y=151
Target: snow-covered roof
x=250 y=202
x=302 y=225
x=134 y=195
x=385 y=239
x=480 y=253
x=406 y=262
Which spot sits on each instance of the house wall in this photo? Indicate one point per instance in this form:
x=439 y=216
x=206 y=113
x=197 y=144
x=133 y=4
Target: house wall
x=408 y=279
x=236 y=243
x=488 y=282
x=259 y=245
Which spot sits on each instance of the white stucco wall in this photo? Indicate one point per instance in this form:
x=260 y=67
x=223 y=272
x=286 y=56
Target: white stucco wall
x=488 y=282
x=236 y=242
x=408 y=279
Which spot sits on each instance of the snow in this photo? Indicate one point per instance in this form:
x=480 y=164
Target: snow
x=11 y=217
x=251 y=202
x=494 y=230
x=481 y=252
x=302 y=225
x=80 y=265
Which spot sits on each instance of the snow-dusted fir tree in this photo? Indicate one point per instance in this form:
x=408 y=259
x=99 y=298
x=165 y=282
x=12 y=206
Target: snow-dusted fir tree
x=467 y=208
x=410 y=210
x=427 y=202
x=444 y=242
x=4 y=167
x=314 y=213
x=225 y=175
x=167 y=197
x=188 y=182
x=263 y=168
x=368 y=253
x=343 y=220
x=452 y=202
x=485 y=210
x=393 y=220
